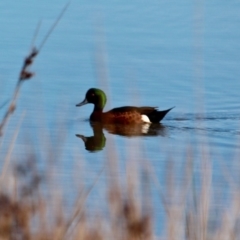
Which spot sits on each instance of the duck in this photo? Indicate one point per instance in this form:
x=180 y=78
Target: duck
x=120 y=115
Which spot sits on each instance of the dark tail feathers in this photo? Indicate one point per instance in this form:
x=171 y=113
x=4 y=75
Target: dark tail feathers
x=156 y=116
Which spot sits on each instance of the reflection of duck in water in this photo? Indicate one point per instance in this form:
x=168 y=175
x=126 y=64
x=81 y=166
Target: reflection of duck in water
x=121 y=115
x=133 y=130
x=97 y=141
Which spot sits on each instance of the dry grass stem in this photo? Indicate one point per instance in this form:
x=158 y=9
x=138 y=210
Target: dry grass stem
x=25 y=73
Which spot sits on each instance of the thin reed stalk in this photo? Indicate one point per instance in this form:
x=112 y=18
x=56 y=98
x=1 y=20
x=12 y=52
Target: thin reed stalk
x=25 y=73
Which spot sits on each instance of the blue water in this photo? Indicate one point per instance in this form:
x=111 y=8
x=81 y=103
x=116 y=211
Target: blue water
x=161 y=53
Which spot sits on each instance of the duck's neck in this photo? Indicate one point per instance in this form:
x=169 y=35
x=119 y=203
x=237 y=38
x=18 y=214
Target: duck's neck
x=100 y=103
x=98 y=108
x=96 y=115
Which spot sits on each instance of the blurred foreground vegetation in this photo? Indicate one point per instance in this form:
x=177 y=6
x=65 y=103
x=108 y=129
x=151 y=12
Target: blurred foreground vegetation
x=27 y=212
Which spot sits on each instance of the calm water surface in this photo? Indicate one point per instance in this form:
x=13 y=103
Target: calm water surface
x=183 y=54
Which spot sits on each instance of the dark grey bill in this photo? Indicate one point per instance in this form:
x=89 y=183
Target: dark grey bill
x=85 y=101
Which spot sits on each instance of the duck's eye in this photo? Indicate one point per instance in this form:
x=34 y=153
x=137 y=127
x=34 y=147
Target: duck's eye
x=92 y=94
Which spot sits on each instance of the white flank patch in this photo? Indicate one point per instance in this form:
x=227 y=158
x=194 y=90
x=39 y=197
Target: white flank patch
x=145 y=119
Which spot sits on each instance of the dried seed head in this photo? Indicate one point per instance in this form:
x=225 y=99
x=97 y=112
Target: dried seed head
x=25 y=75
x=12 y=107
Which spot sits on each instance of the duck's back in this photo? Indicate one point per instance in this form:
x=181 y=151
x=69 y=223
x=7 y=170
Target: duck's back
x=133 y=115
x=122 y=115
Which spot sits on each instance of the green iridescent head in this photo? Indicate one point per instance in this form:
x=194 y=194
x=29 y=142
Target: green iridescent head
x=95 y=96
